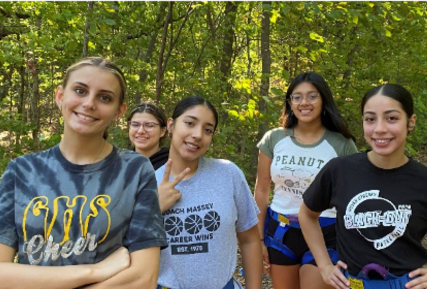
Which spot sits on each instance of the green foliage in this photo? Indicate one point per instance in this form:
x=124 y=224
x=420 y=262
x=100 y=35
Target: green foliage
x=354 y=45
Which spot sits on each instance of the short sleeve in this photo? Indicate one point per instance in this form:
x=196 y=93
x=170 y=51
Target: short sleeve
x=8 y=231
x=265 y=145
x=247 y=209
x=318 y=195
x=350 y=147
x=146 y=226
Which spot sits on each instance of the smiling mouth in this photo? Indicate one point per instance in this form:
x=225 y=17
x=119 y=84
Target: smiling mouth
x=192 y=146
x=382 y=141
x=141 y=138
x=85 y=117
x=305 y=111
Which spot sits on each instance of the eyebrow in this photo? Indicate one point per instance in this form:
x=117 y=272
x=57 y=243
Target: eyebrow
x=386 y=112
x=307 y=92
x=195 y=118
x=87 y=86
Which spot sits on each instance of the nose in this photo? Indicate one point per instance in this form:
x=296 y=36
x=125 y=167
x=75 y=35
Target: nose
x=197 y=132
x=381 y=127
x=141 y=129
x=304 y=101
x=89 y=102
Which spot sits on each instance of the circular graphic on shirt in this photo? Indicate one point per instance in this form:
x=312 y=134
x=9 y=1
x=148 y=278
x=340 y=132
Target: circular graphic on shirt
x=174 y=226
x=193 y=224
x=212 y=221
x=376 y=219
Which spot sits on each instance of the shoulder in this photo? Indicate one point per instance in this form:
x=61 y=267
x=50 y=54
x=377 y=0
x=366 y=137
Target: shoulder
x=341 y=144
x=338 y=138
x=132 y=158
x=221 y=165
x=418 y=167
x=276 y=132
x=34 y=158
x=352 y=160
x=273 y=136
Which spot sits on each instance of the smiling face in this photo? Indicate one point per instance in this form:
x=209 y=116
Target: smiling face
x=307 y=112
x=385 y=126
x=146 y=142
x=90 y=101
x=191 y=133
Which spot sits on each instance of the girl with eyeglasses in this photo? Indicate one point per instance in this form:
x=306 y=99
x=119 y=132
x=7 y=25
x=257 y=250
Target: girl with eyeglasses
x=147 y=131
x=216 y=210
x=70 y=211
x=380 y=198
x=313 y=132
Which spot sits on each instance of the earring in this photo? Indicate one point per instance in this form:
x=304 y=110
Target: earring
x=59 y=104
x=292 y=113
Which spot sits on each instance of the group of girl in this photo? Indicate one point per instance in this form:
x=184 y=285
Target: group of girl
x=96 y=216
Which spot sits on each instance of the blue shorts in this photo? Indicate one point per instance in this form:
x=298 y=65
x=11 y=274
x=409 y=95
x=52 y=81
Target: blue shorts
x=296 y=251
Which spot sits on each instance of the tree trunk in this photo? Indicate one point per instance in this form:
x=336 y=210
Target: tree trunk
x=227 y=49
x=163 y=62
x=21 y=71
x=144 y=74
x=265 y=78
x=35 y=114
x=266 y=63
x=349 y=62
x=87 y=27
x=160 y=72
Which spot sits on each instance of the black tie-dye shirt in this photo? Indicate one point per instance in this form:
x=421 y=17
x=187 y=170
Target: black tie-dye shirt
x=56 y=213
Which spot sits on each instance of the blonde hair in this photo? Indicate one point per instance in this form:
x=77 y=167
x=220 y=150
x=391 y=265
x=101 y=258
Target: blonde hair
x=101 y=63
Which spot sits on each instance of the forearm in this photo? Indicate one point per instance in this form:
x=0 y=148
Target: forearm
x=250 y=248
x=262 y=189
x=261 y=199
x=313 y=235
x=142 y=273
x=33 y=277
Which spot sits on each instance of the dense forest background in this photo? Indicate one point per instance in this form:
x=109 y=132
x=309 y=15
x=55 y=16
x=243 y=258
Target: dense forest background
x=239 y=55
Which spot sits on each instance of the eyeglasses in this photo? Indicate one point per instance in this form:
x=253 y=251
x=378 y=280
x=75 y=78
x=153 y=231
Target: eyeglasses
x=311 y=98
x=148 y=126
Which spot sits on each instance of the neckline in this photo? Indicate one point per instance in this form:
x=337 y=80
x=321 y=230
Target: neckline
x=291 y=133
x=383 y=171
x=84 y=168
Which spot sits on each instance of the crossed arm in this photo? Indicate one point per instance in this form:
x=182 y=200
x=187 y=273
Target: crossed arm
x=116 y=270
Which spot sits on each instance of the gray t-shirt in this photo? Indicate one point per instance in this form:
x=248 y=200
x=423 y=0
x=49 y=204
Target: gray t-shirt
x=201 y=227
x=56 y=213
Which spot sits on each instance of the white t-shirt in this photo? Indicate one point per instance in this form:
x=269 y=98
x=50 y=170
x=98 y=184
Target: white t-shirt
x=294 y=166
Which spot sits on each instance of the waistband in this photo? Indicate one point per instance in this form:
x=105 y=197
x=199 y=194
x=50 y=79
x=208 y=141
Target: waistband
x=362 y=280
x=292 y=220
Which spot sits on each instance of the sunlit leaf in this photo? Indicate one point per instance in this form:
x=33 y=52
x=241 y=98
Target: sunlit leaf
x=317 y=37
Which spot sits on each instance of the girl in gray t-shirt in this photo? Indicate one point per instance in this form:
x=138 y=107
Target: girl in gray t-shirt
x=216 y=209
x=70 y=211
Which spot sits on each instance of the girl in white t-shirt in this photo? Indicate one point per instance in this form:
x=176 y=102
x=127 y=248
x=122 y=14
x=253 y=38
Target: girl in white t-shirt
x=312 y=133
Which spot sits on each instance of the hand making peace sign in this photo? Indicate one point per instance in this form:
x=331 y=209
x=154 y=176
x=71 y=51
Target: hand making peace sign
x=168 y=195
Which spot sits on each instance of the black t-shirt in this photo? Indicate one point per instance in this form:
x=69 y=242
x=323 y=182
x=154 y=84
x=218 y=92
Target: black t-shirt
x=381 y=214
x=159 y=158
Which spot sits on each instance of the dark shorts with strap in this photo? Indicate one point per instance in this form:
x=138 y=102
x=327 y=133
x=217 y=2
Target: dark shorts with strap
x=229 y=285
x=374 y=276
x=285 y=242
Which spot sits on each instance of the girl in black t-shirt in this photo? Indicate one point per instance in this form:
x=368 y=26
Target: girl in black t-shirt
x=380 y=200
